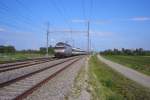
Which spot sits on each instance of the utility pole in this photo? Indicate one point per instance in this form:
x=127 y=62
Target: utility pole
x=72 y=40
x=47 y=39
x=88 y=32
x=88 y=36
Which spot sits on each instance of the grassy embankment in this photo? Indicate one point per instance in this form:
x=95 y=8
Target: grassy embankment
x=139 y=63
x=111 y=85
x=17 y=56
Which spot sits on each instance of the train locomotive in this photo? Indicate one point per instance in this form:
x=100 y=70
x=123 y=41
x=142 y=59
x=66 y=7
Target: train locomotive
x=65 y=50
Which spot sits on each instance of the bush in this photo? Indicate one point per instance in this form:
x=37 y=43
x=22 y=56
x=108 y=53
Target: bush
x=7 y=49
x=123 y=51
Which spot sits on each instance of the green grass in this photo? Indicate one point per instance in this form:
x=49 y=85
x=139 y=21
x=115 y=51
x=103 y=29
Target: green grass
x=111 y=85
x=139 y=63
x=17 y=56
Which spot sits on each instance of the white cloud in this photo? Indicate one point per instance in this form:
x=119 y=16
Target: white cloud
x=67 y=31
x=102 y=21
x=102 y=33
x=141 y=18
x=79 y=21
x=2 y=29
x=92 y=21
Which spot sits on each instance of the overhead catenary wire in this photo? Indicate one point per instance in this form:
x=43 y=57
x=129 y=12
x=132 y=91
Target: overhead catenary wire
x=60 y=10
x=91 y=9
x=90 y=19
x=83 y=9
x=26 y=8
x=67 y=21
x=14 y=20
x=5 y=8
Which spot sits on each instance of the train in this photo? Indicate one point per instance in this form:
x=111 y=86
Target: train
x=65 y=50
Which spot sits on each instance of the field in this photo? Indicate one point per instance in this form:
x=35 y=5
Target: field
x=111 y=85
x=139 y=63
x=17 y=56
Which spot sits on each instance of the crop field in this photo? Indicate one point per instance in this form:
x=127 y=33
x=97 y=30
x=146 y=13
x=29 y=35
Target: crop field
x=139 y=63
x=111 y=85
x=17 y=56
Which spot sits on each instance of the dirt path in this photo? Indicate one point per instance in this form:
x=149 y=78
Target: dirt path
x=128 y=72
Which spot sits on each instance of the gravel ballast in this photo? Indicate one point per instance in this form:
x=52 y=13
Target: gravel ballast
x=60 y=86
x=81 y=89
x=12 y=74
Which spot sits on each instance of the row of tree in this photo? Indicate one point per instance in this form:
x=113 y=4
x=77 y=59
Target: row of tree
x=7 y=49
x=11 y=50
x=50 y=50
x=123 y=51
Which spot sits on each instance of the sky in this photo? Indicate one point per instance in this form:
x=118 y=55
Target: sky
x=113 y=23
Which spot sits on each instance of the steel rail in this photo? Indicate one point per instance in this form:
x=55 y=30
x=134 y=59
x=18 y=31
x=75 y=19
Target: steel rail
x=30 y=74
x=38 y=85
x=24 y=65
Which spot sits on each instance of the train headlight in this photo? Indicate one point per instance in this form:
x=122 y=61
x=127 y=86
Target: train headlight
x=59 y=50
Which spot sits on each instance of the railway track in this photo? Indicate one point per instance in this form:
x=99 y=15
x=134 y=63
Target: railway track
x=20 y=87
x=23 y=64
x=22 y=60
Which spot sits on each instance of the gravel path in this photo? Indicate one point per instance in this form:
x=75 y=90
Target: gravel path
x=59 y=87
x=128 y=72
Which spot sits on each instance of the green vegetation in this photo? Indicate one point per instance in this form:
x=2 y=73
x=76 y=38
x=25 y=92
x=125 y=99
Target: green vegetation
x=10 y=54
x=11 y=50
x=123 y=51
x=7 y=49
x=17 y=56
x=111 y=85
x=139 y=63
x=43 y=50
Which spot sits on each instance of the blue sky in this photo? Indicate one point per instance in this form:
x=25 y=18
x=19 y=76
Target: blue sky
x=113 y=23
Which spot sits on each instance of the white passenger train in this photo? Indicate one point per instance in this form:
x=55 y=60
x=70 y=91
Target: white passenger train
x=65 y=50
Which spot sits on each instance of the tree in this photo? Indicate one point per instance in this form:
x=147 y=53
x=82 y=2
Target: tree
x=42 y=50
x=7 y=49
x=123 y=51
x=2 y=49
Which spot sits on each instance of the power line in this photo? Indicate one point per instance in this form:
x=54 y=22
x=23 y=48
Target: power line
x=15 y=23
x=70 y=26
x=60 y=11
x=25 y=20
x=9 y=25
x=90 y=18
x=83 y=8
x=91 y=9
x=5 y=8
x=63 y=9
x=25 y=8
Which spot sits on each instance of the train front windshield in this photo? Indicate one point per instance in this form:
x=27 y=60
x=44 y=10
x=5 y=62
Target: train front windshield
x=59 y=47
